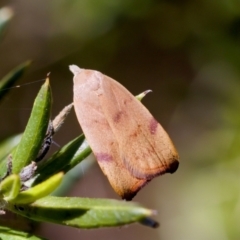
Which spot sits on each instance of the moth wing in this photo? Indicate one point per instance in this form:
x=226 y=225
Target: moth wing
x=145 y=148
x=90 y=111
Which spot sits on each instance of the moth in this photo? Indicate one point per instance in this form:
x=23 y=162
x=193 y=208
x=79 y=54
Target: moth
x=130 y=146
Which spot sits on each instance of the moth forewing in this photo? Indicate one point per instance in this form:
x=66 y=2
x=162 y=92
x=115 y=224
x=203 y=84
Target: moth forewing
x=130 y=146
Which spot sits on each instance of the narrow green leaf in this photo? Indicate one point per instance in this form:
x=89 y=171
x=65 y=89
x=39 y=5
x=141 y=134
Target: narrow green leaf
x=6 y=14
x=39 y=191
x=142 y=95
x=10 y=187
x=11 y=234
x=33 y=136
x=64 y=159
x=83 y=212
x=83 y=152
x=7 y=81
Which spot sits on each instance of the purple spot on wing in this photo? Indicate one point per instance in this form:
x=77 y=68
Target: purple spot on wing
x=153 y=126
x=117 y=117
x=103 y=157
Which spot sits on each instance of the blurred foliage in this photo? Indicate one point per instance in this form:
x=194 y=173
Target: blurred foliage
x=188 y=52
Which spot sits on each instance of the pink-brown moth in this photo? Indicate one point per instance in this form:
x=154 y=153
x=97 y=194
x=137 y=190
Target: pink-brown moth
x=130 y=146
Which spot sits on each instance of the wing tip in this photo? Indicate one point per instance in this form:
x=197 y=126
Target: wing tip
x=75 y=69
x=173 y=166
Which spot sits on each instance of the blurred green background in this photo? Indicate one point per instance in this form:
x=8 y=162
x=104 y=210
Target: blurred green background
x=188 y=53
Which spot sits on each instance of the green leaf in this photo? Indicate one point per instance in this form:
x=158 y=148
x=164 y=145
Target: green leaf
x=11 y=234
x=64 y=159
x=142 y=95
x=33 y=136
x=8 y=80
x=39 y=191
x=10 y=187
x=83 y=212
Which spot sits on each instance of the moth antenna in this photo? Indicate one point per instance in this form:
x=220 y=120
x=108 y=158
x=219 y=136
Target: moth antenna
x=75 y=69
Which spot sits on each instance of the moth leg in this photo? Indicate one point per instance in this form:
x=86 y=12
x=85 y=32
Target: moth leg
x=46 y=143
x=9 y=168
